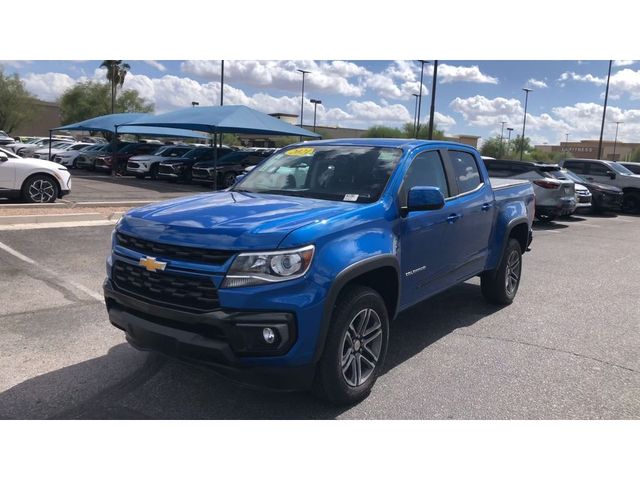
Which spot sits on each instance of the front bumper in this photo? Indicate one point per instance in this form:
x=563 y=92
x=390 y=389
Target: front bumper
x=221 y=339
x=607 y=201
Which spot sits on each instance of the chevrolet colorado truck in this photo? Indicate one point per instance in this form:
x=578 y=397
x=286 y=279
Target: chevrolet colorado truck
x=291 y=277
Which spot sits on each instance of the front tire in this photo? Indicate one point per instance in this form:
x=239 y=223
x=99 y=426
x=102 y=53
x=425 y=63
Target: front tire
x=500 y=286
x=40 y=189
x=631 y=203
x=355 y=348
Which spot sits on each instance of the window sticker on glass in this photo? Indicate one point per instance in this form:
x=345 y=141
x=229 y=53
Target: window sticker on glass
x=351 y=197
x=300 y=152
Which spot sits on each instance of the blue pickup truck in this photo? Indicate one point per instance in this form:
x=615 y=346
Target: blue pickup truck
x=291 y=277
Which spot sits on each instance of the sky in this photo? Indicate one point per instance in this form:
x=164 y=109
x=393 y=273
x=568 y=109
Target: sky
x=472 y=97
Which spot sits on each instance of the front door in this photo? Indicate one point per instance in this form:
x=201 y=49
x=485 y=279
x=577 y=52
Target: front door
x=426 y=258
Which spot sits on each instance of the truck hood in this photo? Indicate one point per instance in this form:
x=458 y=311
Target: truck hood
x=228 y=220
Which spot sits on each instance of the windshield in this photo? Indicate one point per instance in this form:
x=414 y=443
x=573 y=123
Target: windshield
x=565 y=175
x=620 y=169
x=197 y=153
x=8 y=153
x=335 y=172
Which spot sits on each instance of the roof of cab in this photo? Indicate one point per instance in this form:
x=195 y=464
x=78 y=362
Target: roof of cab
x=404 y=143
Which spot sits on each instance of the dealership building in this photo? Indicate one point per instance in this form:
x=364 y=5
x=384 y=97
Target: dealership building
x=617 y=151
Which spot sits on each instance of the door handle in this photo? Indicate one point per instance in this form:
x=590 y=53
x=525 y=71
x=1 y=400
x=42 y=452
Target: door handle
x=453 y=218
x=485 y=207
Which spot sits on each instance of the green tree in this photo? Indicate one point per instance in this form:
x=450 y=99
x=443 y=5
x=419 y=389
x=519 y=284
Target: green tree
x=518 y=144
x=116 y=73
x=15 y=102
x=493 y=148
x=91 y=99
x=381 y=131
x=409 y=130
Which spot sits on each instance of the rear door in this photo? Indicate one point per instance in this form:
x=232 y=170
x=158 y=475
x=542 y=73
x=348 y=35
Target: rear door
x=600 y=173
x=474 y=205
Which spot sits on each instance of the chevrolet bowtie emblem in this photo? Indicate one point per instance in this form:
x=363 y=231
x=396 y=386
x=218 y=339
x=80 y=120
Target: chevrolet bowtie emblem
x=151 y=264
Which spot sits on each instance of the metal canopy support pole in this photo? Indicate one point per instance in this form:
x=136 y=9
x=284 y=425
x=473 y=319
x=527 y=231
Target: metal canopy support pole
x=604 y=111
x=215 y=163
x=113 y=150
x=433 y=99
x=49 y=144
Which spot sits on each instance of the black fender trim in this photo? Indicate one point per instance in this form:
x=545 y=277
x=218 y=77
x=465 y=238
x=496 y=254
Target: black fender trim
x=507 y=233
x=344 y=277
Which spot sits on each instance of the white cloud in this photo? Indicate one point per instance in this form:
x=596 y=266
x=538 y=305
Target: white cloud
x=443 y=121
x=588 y=78
x=623 y=63
x=450 y=73
x=155 y=64
x=330 y=77
x=484 y=112
x=17 y=64
x=47 y=86
x=372 y=112
x=533 y=83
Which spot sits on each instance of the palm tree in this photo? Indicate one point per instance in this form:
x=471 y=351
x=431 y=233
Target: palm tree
x=116 y=73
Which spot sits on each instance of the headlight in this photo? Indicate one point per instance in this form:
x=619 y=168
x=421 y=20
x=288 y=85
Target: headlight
x=268 y=267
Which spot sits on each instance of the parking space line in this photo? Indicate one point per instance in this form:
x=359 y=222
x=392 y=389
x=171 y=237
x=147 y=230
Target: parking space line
x=77 y=286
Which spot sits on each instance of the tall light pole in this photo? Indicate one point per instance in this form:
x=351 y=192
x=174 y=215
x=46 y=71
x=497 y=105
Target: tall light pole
x=315 y=108
x=433 y=99
x=509 y=129
x=566 y=138
x=615 y=142
x=524 y=122
x=604 y=112
x=303 y=72
x=501 y=136
x=415 y=114
x=422 y=62
x=222 y=84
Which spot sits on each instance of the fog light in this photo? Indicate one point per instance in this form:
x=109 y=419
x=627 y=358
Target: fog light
x=268 y=335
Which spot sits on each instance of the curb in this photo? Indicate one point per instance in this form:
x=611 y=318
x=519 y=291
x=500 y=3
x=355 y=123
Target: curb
x=58 y=218
x=68 y=204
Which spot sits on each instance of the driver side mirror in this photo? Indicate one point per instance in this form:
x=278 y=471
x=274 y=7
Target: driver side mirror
x=3 y=157
x=421 y=199
x=611 y=174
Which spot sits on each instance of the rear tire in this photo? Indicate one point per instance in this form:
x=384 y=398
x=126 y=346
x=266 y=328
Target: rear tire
x=355 y=348
x=40 y=189
x=631 y=203
x=500 y=286
x=228 y=180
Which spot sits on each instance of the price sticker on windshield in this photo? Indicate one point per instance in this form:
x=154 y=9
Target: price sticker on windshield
x=300 y=152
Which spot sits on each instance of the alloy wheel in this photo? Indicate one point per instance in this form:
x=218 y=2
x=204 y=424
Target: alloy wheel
x=41 y=191
x=361 y=347
x=513 y=272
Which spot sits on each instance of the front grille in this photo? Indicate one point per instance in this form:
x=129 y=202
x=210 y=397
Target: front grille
x=188 y=293
x=189 y=254
x=200 y=173
x=166 y=169
x=133 y=165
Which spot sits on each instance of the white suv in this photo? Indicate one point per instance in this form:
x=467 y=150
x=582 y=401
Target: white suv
x=609 y=173
x=32 y=180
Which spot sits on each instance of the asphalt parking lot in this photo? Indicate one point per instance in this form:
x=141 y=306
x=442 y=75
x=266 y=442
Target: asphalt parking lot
x=566 y=349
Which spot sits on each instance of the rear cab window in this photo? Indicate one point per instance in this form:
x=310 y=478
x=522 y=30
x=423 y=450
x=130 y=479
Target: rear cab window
x=466 y=171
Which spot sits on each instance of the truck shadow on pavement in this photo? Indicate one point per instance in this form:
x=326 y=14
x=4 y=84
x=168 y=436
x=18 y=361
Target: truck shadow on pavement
x=156 y=387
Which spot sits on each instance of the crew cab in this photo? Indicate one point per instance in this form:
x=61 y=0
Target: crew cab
x=31 y=179
x=292 y=277
x=609 y=173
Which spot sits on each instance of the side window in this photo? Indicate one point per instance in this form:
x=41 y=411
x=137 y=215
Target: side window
x=426 y=170
x=465 y=170
x=599 y=169
x=576 y=167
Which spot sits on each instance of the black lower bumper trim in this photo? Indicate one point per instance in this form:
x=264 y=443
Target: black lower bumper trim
x=218 y=339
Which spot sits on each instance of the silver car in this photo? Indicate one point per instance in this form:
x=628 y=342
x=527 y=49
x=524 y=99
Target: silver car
x=554 y=197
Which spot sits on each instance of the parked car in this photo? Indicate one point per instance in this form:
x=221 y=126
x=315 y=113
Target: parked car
x=603 y=197
x=5 y=139
x=123 y=154
x=180 y=168
x=69 y=158
x=20 y=142
x=225 y=170
x=31 y=179
x=292 y=277
x=58 y=148
x=86 y=159
x=609 y=173
x=29 y=149
x=554 y=198
x=583 y=194
x=147 y=165
x=634 y=167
